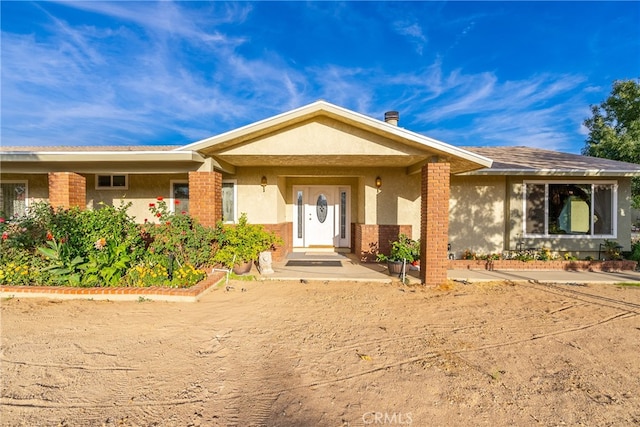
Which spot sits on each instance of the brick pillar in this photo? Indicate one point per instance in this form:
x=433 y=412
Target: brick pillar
x=67 y=189
x=205 y=197
x=434 y=223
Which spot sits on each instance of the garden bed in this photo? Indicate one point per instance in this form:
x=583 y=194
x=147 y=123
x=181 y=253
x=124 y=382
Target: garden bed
x=155 y=293
x=104 y=252
x=552 y=265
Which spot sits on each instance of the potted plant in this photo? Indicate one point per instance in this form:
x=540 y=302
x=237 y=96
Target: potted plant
x=404 y=251
x=239 y=245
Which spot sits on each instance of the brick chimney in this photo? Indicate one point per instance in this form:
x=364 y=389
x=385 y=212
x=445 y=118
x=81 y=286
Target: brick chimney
x=392 y=117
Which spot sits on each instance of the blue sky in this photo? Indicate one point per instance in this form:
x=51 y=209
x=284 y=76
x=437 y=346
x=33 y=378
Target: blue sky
x=157 y=73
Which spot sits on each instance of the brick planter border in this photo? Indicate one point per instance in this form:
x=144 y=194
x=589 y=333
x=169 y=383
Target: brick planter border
x=510 y=264
x=191 y=294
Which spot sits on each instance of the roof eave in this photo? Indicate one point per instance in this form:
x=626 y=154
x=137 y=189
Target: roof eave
x=554 y=172
x=101 y=156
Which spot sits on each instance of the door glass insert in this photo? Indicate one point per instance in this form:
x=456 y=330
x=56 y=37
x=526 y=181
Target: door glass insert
x=343 y=214
x=300 y=214
x=321 y=208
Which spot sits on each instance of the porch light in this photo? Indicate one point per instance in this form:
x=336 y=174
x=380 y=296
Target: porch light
x=378 y=182
x=263 y=182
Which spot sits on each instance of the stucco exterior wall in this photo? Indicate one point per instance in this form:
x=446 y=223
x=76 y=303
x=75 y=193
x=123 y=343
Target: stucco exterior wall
x=486 y=216
x=625 y=213
x=397 y=202
x=318 y=137
x=260 y=206
x=142 y=190
x=580 y=246
x=477 y=214
x=274 y=205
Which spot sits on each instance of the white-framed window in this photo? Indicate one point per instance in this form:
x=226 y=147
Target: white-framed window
x=570 y=209
x=229 y=201
x=112 y=182
x=14 y=199
x=179 y=196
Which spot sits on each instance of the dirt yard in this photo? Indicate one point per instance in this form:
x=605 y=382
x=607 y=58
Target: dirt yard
x=328 y=354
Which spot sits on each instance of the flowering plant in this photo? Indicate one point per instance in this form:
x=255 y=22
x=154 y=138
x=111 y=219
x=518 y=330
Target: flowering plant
x=180 y=235
x=156 y=274
x=107 y=264
x=14 y=274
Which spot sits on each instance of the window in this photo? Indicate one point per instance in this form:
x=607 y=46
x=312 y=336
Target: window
x=13 y=199
x=565 y=209
x=116 y=182
x=229 y=198
x=180 y=197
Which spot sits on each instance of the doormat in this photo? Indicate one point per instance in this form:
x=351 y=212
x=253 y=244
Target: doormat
x=313 y=263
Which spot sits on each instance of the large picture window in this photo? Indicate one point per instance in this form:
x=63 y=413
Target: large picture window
x=13 y=199
x=570 y=209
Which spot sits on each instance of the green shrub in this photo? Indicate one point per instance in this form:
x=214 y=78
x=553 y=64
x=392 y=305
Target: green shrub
x=105 y=247
x=107 y=263
x=180 y=235
x=242 y=242
x=402 y=249
x=635 y=250
x=112 y=224
x=65 y=268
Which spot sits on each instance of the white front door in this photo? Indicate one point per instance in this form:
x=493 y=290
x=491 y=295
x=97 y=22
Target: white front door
x=321 y=216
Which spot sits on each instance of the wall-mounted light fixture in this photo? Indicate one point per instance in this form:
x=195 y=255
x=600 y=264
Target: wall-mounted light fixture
x=378 y=183
x=263 y=182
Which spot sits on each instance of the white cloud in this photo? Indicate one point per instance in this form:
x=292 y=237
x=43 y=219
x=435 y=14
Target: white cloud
x=135 y=82
x=138 y=85
x=414 y=32
x=169 y=18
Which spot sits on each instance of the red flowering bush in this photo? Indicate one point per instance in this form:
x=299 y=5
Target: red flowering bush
x=180 y=235
x=100 y=247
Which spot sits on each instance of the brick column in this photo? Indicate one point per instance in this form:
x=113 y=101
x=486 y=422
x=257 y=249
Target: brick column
x=434 y=223
x=205 y=197
x=67 y=189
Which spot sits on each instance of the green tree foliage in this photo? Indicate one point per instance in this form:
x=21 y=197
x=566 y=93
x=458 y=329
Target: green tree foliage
x=614 y=128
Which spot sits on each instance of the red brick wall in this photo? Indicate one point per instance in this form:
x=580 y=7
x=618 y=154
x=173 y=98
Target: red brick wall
x=372 y=239
x=510 y=264
x=67 y=189
x=205 y=197
x=434 y=223
x=285 y=231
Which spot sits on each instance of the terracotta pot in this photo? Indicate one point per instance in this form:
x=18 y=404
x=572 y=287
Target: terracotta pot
x=395 y=267
x=243 y=268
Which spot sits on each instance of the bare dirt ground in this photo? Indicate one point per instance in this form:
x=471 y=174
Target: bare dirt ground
x=328 y=354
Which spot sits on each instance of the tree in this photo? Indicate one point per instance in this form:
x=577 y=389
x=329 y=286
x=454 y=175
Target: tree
x=614 y=128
